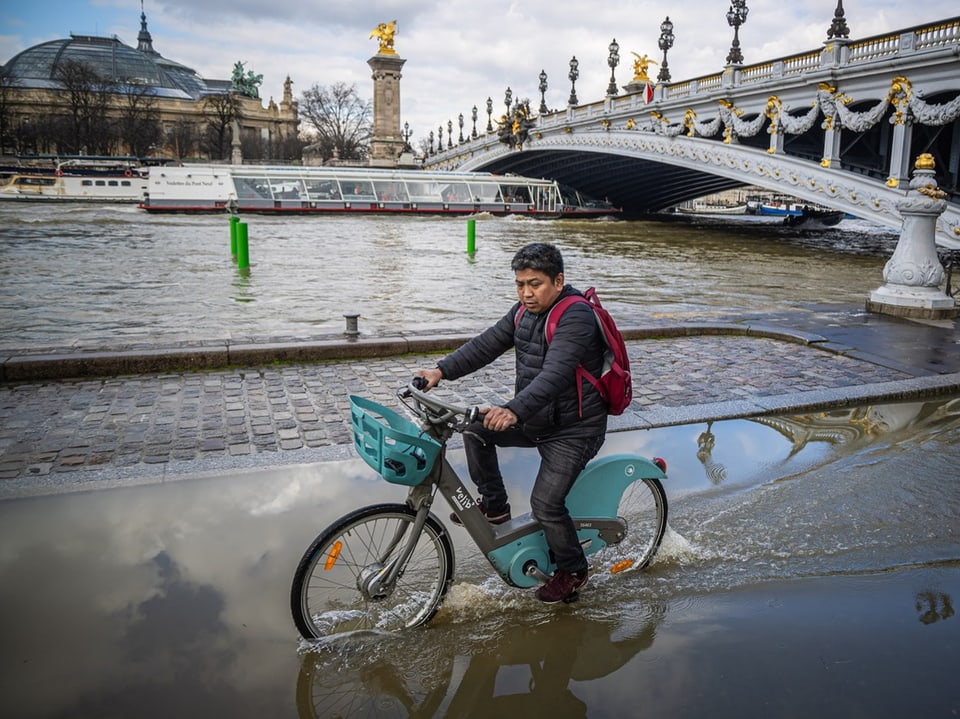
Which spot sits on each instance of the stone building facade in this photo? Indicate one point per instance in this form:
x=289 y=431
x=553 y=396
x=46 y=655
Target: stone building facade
x=182 y=102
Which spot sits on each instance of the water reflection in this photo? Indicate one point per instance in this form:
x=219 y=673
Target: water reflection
x=715 y=471
x=934 y=606
x=538 y=669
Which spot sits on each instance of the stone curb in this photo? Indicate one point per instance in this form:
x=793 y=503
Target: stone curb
x=26 y=366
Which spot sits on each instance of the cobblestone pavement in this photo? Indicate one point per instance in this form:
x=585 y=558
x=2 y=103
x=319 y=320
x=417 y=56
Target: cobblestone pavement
x=62 y=427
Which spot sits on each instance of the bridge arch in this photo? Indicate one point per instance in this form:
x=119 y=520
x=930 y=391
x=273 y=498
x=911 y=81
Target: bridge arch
x=644 y=172
x=839 y=126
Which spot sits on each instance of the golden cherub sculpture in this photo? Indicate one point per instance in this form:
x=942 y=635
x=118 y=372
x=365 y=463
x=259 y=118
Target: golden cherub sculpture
x=640 y=67
x=384 y=33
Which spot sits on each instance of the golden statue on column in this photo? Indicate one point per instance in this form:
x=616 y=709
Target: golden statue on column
x=384 y=33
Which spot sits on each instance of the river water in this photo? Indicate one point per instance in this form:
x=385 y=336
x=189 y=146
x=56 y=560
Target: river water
x=98 y=276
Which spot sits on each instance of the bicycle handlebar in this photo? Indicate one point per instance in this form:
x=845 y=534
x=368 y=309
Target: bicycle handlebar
x=432 y=409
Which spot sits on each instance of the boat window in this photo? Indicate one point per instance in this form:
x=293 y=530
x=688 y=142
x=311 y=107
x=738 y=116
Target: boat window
x=87 y=183
x=286 y=188
x=37 y=181
x=456 y=192
x=391 y=191
x=112 y=183
x=323 y=190
x=423 y=191
x=515 y=193
x=251 y=188
x=484 y=191
x=358 y=190
x=101 y=183
x=125 y=183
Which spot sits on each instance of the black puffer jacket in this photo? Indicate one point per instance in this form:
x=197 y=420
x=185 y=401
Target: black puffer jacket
x=545 y=398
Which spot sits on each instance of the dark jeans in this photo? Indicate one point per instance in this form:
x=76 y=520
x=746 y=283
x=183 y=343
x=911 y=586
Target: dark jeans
x=561 y=460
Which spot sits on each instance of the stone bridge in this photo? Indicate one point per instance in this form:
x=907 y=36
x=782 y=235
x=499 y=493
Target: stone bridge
x=839 y=126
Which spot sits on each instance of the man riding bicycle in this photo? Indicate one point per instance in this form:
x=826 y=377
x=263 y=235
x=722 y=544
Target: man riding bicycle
x=565 y=423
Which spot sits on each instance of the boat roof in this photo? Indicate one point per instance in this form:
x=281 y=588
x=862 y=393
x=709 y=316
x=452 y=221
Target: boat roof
x=363 y=172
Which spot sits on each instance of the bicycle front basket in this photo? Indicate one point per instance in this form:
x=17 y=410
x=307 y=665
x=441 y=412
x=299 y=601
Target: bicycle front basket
x=391 y=444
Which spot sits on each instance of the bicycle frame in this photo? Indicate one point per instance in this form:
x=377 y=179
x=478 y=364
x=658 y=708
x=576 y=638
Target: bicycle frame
x=517 y=549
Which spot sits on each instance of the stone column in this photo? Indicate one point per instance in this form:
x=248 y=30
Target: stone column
x=236 y=152
x=914 y=274
x=387 y=143
x=900 y=152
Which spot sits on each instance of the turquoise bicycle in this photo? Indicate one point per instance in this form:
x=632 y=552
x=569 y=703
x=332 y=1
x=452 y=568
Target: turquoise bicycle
x=388 y=566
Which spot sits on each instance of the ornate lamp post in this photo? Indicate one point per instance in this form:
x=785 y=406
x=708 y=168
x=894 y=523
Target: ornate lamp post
x=431 y=142
x=449 y=133
x=508 y=100
x=406 y=137
x=543 y=92
x=460 y=120
x=736 y=16
x=838 y=28
x=473 y=115
x=665 y=42
x=489 y=115
x=573 y=75
x=613 y=59
x=440 y=139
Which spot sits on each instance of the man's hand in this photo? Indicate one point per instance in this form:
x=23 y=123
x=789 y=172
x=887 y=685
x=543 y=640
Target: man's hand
x=499 y=418
x=433 y=377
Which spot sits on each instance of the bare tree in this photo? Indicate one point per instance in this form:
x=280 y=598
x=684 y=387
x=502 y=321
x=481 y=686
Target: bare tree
x=182 y=139
x=8 y=139
x=88 y=97
x=139 y=121
x=220 y=110
x=341 y=120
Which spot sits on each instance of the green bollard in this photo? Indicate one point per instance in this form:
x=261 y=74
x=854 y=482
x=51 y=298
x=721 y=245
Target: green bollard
x=233 y=234
x=243 y=246
x=471 y=236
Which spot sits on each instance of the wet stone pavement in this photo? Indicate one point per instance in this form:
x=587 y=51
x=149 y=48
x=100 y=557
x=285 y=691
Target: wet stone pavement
x=58 y=428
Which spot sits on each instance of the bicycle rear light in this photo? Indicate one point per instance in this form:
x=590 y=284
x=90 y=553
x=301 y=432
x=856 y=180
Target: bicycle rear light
x=661 y=463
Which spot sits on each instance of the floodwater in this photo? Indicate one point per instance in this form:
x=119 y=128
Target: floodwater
x=810 y=568
x=98 y=276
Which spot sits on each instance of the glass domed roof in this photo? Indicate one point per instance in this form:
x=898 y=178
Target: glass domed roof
x=110 y=59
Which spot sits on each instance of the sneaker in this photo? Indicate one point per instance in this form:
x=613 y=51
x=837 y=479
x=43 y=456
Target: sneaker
x=562 y=587
x=498 y=518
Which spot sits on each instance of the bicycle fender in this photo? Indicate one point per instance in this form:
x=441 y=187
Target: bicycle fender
x=598 y=489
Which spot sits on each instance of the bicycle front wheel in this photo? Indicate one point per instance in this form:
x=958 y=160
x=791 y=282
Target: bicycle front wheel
x=337 y=588
x=643 y=507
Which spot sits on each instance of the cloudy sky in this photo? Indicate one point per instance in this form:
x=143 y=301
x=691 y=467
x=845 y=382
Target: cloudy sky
x=458 y=53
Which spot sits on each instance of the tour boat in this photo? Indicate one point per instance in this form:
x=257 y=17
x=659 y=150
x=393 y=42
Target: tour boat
x=76 y=179
x=316 y=190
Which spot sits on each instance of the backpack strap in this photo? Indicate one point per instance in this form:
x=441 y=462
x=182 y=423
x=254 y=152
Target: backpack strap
x=553 y=319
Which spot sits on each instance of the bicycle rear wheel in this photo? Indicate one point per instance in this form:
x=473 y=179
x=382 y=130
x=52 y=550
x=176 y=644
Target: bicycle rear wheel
x=330 y=592
x=643 y=507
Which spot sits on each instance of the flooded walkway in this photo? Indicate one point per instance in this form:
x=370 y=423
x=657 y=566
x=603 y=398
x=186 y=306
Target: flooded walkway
x=77 y=434
x=814 y=578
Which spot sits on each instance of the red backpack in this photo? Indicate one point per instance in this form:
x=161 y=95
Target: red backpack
x=615 y=384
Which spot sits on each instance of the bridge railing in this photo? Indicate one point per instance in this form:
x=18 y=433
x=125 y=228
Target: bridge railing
x=834 y=54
